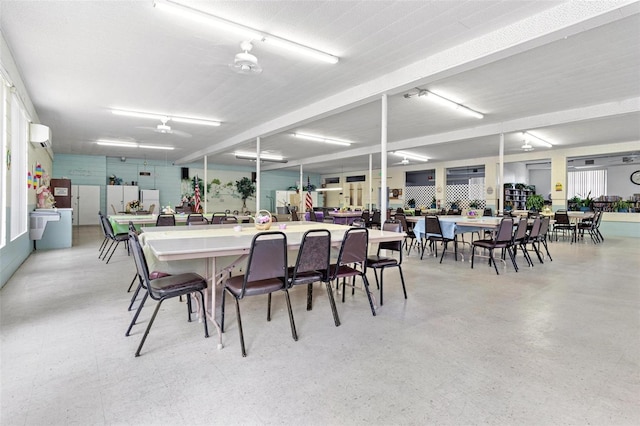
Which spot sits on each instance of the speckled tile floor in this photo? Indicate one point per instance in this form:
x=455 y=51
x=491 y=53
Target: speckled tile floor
x=558 y=343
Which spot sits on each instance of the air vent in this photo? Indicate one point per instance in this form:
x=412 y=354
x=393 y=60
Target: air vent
x=589 y=162
x=628 y=159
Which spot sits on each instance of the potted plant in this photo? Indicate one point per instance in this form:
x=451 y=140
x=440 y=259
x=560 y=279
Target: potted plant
x=412 y=203
x=535 y=202
x=585 y=203
x=246 y=189
x=621 y=206
x=433 y=202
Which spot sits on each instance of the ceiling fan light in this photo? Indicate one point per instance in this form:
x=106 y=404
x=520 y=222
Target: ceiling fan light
x=254 y=156
x=167 y=148
x=537 y=139
x=121 y=144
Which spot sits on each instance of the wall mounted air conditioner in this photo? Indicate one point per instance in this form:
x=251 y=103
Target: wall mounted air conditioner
x=39 y=134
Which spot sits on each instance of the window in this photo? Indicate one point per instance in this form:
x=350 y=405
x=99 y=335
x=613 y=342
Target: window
x=3 y=157
x=357 y=178
x=582 y=182
x=18 y=172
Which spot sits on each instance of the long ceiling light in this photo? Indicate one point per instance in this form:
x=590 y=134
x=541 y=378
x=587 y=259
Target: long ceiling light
x=410 y=155
x=537 y=139
x=165 y=117
x=447 y=102
x=126 y=144
x=243 y=30
x=329 y=189
x=322 y=139
x=245 y=155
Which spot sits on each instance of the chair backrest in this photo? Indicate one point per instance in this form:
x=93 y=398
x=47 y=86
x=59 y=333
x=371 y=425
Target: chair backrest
x=402 y=219
x=544 y=226
x=535 y=228
x=521 y=231
x=267 y=258
x=100 y=216
x=562 y=217
x=229 y=219
x=132 y=227
x=294 y=216
x=108 y=229
x=376 y=217
x=432 y=225
x=400 y=210
x=487 y=212
x=114 y=209
x=218 y=217
x=598 y=218
x=196 y=217
x=140 y=260
x=274 y=218
x=312 y=216
x=392 y=245
x=354 y=247
x=359 y=223
x=166 y=220
x=314 y=253
x=505 y=230
x=365 y=216
x=152 y=207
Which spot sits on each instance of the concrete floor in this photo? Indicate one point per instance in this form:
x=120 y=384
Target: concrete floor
x=555 y=344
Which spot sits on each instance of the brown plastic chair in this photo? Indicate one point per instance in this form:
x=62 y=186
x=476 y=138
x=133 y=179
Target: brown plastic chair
x=352 y=262
x=502 y=240
x=563 y=223
x=164 y=288
x=266 y=272
x=382 y=262
x=229 y=219
x=534 y=235
x=312 y=265
x=197 y=217
x=294 y=216
x=166 y=220
x=312 y=216
x=217 y=218
x=400 y=217
x=433 y=233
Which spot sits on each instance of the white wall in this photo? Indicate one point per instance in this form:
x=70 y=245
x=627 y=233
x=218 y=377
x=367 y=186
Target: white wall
x=516 y=173
x=541 y=178
x=619 y=182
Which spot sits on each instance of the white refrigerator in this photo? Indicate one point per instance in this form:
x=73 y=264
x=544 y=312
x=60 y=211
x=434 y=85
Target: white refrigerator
x=149 y=197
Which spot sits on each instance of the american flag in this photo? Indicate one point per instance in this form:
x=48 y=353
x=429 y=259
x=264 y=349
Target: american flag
x=196 y=206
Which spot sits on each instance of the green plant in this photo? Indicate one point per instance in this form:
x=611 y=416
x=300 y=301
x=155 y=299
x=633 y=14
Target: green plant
x=246 y=189
x=508 y=186
x=535 y=202
x=621 y=205
x=520 y=186
x=411 y=203
x=474 y=204
x=586 y=202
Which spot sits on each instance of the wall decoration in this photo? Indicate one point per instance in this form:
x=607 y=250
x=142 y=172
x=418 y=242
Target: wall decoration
x=29 y=180
x=559 y=186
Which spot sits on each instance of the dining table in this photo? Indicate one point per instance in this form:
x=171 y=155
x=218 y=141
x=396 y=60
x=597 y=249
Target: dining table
x=223 y=248
x=452 y=225
x=120 y=222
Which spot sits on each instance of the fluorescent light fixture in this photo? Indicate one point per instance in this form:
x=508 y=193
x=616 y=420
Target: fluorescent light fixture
x=411 y=156
x=165 y=117
x=168 y=148
x=322 y=139
x=245 y=155
x=537 y=139
x=329 y=189
x=448 y=102
x=243 y=30
x=122 y=144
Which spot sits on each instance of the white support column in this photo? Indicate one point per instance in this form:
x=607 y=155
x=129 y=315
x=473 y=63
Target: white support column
x=258 y=164
x=204 y=208
x=500 y=188
x=370 y=179
x=301 y=195
x=383 y=162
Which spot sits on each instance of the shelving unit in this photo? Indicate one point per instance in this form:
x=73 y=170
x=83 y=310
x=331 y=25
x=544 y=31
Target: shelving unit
x=518 y=197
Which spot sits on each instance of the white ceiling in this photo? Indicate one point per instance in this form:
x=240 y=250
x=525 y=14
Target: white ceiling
x=569 y=71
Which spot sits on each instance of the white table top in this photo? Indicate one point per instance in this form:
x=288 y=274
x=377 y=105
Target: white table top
x=345 y=214
x=150 y=219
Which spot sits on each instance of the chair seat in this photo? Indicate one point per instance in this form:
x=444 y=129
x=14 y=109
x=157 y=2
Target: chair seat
x=174 y=285
x=121 y=237
x=380 y=261
x=343 y=271
x=157 y=274
x=484 y=243
x=234 y=285
x=305 y=277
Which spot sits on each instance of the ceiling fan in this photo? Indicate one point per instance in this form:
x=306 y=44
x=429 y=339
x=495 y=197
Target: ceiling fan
x=245 y=62
x=165 y=129
x=526 y=147
x=404 y=162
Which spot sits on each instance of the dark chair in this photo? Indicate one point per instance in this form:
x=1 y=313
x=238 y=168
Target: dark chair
x=166 y=220
x=520 y=240
x=266 y=272
x=366 y=217
x=433 y=234
x=312 y=216
x=502 y=240
x=590 y=225
x=294 y=216
x=312 y=265
x=375 y=219
x=217 y=218
x=161 y=289
x=105 y=241
x=563 y=223
x=534 y=235
x=229 y=219
x=352 y=262
x=597 y=226
x=410 y=235
x=115 y=239
x=487 y=212
x=382 y=262
x=196 y=217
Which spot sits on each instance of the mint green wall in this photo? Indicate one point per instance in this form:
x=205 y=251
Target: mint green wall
x=15 y=252
x=95 y=170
